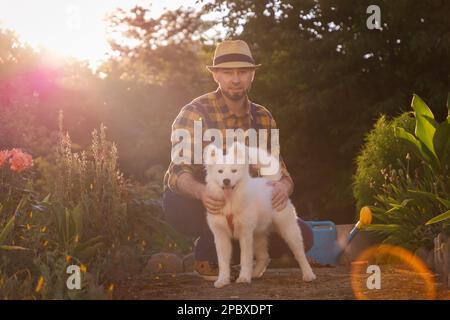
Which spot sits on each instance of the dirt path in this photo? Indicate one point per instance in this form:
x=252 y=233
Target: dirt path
x=331 y=283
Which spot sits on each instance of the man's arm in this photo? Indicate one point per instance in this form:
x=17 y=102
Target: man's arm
x=187 y=185
x=289 y=183
x=283 y=188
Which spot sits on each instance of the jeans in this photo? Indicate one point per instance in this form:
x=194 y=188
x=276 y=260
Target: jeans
x=188 y=216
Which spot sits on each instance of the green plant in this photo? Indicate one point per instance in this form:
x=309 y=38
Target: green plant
x=381 y=150
x=431 y=143
x=67 y=226
x=90 y=183
x=410 y=205
x=405 y=205
x=431 y=140
x=8 y=229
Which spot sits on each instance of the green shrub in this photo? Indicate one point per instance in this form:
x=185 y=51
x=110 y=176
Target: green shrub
x=380 y=152
x=414 y=205
x=406 y=203
x=91 y=181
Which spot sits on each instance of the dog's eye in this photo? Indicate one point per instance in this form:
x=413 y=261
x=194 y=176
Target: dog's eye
x=234 y=170
x=220 y=171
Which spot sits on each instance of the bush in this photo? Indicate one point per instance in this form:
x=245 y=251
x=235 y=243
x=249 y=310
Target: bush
x=92 y=182
x=90 y=216
x=406 y=203
x=414 y=206
x=380 y=152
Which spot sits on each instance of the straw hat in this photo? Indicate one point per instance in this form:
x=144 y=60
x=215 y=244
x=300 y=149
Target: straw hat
x=232 y=54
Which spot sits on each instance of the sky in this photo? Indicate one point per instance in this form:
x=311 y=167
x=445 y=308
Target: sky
x=73 y=28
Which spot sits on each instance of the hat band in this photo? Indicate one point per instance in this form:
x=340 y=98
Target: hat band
x=233 y=57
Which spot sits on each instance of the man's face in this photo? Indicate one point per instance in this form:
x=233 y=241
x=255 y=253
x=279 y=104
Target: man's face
x=234 y=82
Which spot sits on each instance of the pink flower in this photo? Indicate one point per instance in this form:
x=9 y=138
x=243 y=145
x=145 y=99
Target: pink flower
x=4 y=155
x=20 y=160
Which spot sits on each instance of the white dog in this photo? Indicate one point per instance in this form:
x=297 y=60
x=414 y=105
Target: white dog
x=248 y=216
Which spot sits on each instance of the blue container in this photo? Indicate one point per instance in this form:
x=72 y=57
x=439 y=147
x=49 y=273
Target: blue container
x=325 y=249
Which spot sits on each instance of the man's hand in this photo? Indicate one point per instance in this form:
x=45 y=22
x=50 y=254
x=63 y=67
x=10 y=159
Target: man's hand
x=213 y=204
x=280 y=194
x=187 y=185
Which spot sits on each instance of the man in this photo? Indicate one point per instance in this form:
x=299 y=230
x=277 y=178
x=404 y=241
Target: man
x=186 y=199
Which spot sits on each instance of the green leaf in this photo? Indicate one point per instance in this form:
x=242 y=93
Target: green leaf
x=420 y=107
x=46 y=199
x=7 y=230
x=415 y=145
x=91 y=242
x=439 y=218
x=90 y=252
x=441 y=140
x=445 y=202
x=388 y=228
x=425 y=131
x=13 y=248
x=77 y=215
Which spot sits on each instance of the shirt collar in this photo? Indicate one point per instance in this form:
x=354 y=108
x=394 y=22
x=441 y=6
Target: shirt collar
x=225 y=110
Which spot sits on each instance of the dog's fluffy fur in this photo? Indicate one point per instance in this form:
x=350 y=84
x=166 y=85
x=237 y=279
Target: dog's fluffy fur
x=248 y=200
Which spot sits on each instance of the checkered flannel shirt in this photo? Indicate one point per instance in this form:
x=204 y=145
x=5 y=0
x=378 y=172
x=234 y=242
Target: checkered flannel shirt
x=221 y=118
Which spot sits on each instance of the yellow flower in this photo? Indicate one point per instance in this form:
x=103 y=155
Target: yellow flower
x=365 y=216
x=68 y=259
x=77 y=238
x=83 y=268
x=40 y=284
x=28 y=227
x=111 y=288
x=43 y=229
x=30 y=214
x=45 y=243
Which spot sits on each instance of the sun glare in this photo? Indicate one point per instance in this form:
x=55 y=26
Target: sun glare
x=74 y=28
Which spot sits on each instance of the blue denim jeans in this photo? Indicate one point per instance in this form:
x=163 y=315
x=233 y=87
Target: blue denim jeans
x=188 y=216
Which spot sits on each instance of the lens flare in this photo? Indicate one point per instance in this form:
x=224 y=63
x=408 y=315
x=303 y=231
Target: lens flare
x=408 y=278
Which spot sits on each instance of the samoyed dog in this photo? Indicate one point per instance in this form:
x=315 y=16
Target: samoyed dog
x=248 y=214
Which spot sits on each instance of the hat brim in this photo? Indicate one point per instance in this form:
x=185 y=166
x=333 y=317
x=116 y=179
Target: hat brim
x=231 y=65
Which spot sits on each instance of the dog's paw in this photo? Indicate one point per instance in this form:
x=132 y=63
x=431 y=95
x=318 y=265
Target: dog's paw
x=309 y=276
x=220 y=283
x=243 y=279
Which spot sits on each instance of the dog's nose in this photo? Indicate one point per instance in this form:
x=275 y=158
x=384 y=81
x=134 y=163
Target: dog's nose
x=226 y=182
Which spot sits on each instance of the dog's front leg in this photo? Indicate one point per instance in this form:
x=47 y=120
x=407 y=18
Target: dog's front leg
x=224 y=249
x=246 y=244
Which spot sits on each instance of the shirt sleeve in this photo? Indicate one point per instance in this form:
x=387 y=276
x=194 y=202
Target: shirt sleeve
x=284 y=170
x=184 y=122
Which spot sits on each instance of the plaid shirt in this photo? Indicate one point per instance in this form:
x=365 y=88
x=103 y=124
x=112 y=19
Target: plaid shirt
x=220 y=117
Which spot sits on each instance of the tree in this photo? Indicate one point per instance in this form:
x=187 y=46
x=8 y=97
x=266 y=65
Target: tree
x=326 y=78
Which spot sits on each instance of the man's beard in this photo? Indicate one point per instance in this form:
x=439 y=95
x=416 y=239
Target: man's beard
x=236 y=96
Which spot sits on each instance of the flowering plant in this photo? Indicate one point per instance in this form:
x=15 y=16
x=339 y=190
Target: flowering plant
x=18 y=160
